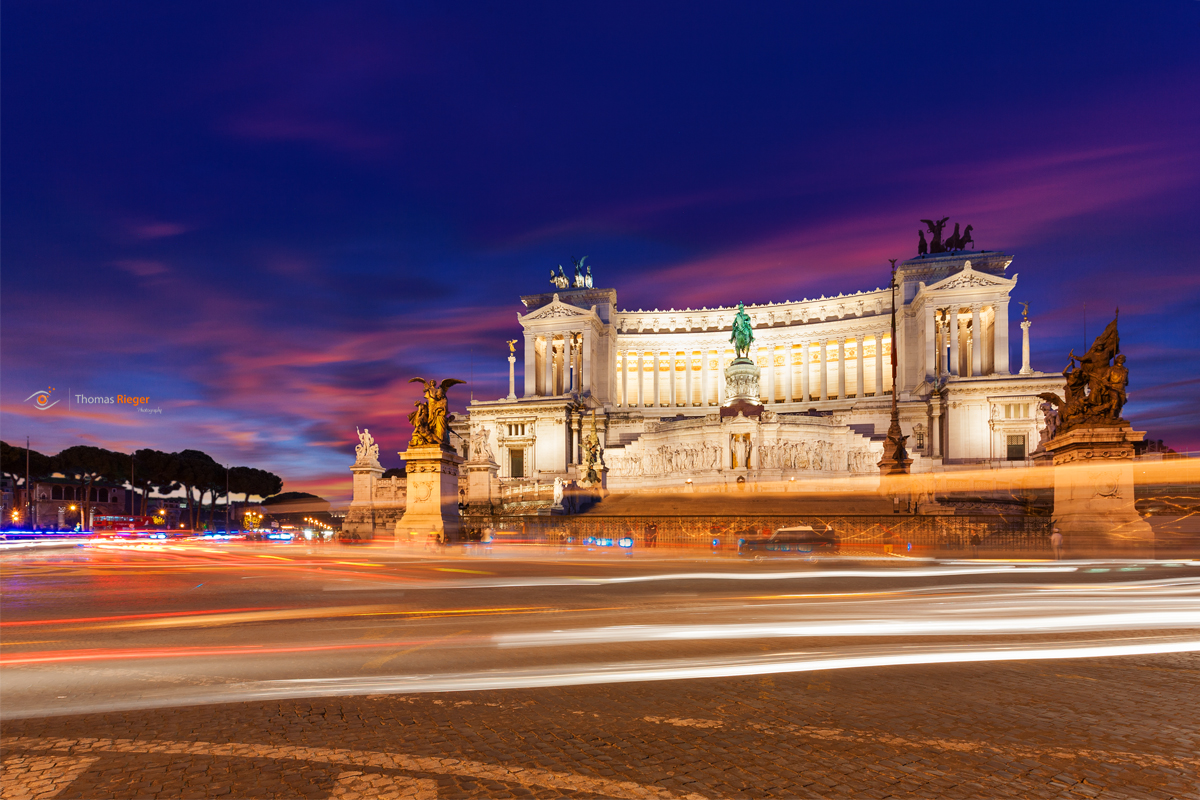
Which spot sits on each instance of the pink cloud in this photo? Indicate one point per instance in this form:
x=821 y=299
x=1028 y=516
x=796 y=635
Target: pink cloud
x=143 y=268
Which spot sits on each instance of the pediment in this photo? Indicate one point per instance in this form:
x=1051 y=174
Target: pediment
x=968 y=278
x=555 y=309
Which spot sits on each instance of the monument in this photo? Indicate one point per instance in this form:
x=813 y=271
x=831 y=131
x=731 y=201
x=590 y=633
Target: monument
x=481 y=469
x=895 y=459
x=742 y=390
x=366 y=471
x=1093 y=447
x=432 y=503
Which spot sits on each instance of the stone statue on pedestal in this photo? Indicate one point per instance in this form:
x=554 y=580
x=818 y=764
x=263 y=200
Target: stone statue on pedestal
x=366 y=451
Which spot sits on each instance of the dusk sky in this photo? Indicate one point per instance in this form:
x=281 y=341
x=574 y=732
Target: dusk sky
x=268 y=217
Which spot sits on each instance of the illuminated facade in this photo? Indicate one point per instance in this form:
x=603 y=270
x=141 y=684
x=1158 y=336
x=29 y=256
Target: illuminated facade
x=655 y=382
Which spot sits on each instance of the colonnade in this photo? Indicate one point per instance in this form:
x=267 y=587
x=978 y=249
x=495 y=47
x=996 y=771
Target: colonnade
x=791 y=372
x=966 y=340
x=557 y=363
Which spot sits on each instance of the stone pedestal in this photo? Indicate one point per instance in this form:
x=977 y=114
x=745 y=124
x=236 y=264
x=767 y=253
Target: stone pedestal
x=432 y=501
x=742 y=393
x=1093 y=492
x=360 y=517
x=481 y=477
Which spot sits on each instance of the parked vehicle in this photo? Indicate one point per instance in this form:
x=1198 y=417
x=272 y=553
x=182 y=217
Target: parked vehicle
x=799 y=540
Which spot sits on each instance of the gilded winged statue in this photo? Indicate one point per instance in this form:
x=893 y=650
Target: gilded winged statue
x=429 y=418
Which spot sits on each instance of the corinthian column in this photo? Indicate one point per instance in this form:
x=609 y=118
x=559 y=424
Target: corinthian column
x=860 y=389
x=1000 y=338
x=770 y=351
x=804 y=356
x=841 y=367
x=879 y=365
x=976 y=341
x=789 y=355
x=823 y=348
x=704 y=376
x=955 y=340
x=530 y=366
x=1025 y=368
x=687 y=377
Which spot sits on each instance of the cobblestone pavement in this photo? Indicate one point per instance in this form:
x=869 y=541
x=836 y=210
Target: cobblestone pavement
x=1083 y=728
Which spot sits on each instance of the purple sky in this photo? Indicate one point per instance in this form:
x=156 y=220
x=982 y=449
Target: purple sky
x=266 y=218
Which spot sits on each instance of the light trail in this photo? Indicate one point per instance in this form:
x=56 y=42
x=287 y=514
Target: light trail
x=893 y=627
x=125 y=617
x=579 y=675
x=113 y=654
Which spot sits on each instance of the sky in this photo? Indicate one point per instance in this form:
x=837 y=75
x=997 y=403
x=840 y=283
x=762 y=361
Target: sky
x=266 y=217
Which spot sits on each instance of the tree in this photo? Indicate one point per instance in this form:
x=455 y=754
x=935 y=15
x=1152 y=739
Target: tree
x=86 y=465
x=197 y=473
x=248 y=480
x=13 y=463
x=153 y=471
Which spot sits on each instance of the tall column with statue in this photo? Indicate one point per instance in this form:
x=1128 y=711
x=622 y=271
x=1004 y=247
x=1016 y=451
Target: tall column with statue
x=432 y=466
x=1026 y=369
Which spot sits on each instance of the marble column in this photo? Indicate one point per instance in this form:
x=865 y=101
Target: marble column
x=930 y=341
x=624 y=379
x=585 y=362
x=687 y=379
x=841 y=367
x=955 y=340
x=770 y=351
x=823 y=353
x=860 y=389
x=641 y=379
x=878 y=364
x=654 y=381
x=789 y=355
x=570 y=369
x=548 y=368
x=512 y=377
x=720 y=376
x=805 y=354
x=976 y=341
x=935 y=428
x=530 y=365
x=1000 y=339
x=1025 y=368
x=573 y=450
x=704 y=376
x=669 y=391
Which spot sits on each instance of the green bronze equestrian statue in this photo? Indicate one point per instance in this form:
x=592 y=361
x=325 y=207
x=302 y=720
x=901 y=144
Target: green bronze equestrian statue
x=742 y=336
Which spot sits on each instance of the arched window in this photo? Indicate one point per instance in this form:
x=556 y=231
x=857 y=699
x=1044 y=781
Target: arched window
x=56 y=493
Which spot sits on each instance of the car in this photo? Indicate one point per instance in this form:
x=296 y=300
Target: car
x=798 y=540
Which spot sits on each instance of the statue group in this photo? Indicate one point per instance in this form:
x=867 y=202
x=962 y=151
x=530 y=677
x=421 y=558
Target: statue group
x=366 y=450
x=956 y=240
x=592 y=464
x=429 y=418
x=743 y=335
x=1095 y=390
x=583 y=276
